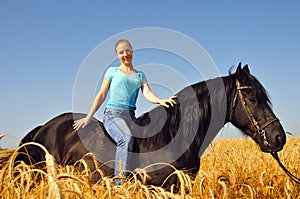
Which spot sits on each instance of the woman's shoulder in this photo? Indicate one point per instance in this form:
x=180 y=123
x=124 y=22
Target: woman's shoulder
x=110 y=72
x=139 y=71
x=141 y=74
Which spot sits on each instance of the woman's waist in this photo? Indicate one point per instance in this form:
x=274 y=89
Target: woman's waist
x=123 y=112
x=121 y=105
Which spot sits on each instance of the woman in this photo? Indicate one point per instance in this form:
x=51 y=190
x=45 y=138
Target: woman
x=124 y=83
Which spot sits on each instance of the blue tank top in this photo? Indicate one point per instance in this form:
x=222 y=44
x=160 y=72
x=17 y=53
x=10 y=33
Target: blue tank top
x=124 y=88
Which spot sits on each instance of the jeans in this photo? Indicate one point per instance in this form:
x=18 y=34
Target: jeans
x=116 y=123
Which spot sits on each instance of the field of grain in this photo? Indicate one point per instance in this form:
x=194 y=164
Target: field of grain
x=232 y=168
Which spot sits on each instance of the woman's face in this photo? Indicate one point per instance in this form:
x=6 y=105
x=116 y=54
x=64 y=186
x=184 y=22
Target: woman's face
x=124 y=53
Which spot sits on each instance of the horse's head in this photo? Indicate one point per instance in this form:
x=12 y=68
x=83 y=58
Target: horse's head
x=251 y=112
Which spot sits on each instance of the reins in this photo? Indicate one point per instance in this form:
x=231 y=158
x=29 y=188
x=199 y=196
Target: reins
x=295 y=179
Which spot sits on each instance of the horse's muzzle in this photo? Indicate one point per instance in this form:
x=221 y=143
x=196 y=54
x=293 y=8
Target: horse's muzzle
x=274 y=145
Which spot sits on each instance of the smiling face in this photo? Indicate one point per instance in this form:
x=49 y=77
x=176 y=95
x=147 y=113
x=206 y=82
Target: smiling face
x=124 y=52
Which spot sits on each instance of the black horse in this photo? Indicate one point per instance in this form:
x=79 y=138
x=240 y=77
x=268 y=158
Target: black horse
x=176 y=136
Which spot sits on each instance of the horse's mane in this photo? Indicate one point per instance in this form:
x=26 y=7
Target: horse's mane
x=203 y=113
x=195 y=110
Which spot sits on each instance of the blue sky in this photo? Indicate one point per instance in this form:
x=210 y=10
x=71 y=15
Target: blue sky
x=44 y=43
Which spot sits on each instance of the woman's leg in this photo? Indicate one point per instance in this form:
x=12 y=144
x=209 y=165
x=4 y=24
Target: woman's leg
x=118 y=129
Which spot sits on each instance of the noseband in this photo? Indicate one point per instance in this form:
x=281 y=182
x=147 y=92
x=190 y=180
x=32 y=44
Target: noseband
x=258 y=129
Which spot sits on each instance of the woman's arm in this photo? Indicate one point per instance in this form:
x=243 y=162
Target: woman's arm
x=99 y=99
x=151 y=97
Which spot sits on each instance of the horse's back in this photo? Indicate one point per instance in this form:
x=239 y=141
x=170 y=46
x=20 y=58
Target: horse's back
x=67 y=145
x=62 y=141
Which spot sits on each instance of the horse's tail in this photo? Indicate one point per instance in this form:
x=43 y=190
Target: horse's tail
x=4 y=156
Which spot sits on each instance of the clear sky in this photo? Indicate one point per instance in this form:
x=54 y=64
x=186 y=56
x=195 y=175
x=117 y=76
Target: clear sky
x=44 y=43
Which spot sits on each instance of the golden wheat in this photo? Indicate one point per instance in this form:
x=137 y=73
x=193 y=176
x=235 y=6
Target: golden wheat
x=233 y=168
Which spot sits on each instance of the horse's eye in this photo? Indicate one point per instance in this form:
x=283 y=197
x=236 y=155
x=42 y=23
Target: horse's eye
x=252 y=99
x=252 y=96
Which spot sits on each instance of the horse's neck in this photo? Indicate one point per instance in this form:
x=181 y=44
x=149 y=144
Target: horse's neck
x=215 y=106
x=197 y=118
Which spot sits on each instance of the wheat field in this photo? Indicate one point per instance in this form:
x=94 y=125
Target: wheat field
x=231 y=168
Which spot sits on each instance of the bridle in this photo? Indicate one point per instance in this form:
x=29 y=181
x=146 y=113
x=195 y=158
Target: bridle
x=258 y=129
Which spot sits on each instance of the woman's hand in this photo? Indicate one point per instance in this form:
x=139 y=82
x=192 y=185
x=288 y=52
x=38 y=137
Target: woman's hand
x=96 y=104
x=169 y=101
x=80 y=123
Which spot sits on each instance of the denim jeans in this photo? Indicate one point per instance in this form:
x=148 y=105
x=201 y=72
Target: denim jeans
x=116 y=123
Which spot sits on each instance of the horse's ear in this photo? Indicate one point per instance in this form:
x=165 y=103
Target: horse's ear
x=240 y=65
x=246 y=69
x=239 y=68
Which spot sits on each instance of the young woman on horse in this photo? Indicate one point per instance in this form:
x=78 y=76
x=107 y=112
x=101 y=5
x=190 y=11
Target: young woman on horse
x=124 y=83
